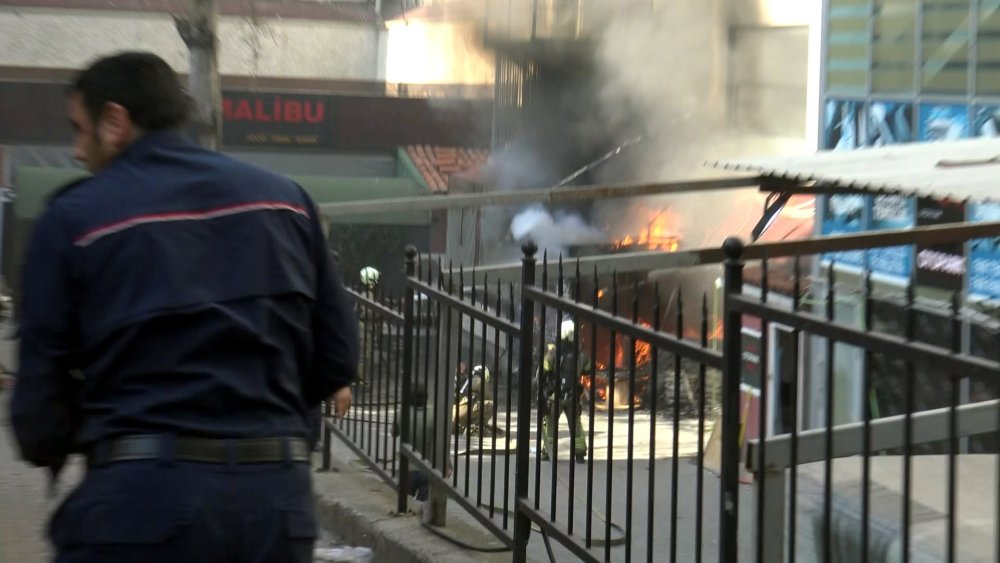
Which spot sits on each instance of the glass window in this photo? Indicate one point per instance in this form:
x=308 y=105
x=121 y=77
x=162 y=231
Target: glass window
x=847 y=49
x=945 y=50
x=988 y=53
x=893 y=46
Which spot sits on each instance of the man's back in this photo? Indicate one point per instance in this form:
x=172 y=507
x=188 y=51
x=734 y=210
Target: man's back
x=180 y=315
x=196 y=277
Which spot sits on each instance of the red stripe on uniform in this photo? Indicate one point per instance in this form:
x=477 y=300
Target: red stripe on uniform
x=118 y=226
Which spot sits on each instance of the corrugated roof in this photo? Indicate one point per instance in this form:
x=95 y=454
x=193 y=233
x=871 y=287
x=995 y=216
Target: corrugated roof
x=957 y=170
x=437 y=164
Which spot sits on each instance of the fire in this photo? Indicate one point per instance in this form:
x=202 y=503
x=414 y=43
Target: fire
x=643 y=351
x=602 y=386
x=656 y=234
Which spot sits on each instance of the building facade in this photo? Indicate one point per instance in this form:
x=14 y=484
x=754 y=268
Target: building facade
x=900 y=71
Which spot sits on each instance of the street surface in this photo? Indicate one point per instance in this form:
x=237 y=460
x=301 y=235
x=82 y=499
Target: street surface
x=24 y=502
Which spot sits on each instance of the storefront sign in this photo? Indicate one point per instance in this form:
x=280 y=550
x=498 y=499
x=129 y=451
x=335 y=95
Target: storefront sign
x=940 y=266
x=255 y=119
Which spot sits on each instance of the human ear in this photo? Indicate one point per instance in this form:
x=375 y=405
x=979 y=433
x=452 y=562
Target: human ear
x=115 y=126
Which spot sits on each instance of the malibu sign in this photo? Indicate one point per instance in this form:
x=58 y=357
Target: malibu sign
x=261 y=119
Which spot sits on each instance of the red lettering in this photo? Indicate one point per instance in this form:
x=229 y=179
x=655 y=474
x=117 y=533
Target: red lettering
x=316 y=117
x=260 y=114
x=227 y=109
x=293 y=111
x=243 y=111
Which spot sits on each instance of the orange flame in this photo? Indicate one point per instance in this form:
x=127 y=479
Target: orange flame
x=643 y=351
x=656 y=234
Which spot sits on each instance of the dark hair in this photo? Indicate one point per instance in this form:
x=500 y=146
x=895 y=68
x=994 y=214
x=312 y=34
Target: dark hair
x=143 y=83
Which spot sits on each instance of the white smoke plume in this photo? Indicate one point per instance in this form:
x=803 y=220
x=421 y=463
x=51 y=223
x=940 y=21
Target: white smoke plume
x=554 y=233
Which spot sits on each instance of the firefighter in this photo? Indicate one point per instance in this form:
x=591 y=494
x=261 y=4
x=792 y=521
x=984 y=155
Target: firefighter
x=557 y=376
x=477 y=386
x=370 y=278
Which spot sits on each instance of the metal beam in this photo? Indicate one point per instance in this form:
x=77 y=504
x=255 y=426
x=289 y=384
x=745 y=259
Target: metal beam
x=887 y=433
x=564 y=194
x=648 y=261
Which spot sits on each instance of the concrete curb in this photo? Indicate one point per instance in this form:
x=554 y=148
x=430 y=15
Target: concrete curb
x=359 y=509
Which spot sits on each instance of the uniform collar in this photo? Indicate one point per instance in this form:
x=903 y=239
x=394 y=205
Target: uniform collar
x=152 y=141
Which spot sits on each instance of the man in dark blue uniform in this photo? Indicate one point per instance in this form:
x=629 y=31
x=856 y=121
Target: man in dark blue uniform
x=181 y=317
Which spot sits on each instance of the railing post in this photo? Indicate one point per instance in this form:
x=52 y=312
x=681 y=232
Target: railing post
x=522 y=525
x=404 y=399
x=732 y=365
x=773 y=523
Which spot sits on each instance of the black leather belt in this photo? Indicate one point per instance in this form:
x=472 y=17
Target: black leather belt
x=200 y=450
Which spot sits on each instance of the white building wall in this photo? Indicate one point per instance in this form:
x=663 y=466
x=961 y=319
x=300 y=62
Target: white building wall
x=292 y=48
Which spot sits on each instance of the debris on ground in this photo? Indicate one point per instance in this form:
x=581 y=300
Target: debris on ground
x=343 y=554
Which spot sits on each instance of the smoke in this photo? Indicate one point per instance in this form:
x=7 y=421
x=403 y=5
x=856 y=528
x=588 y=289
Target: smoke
x=669 y=72
x=668 y=68
x=554 y=233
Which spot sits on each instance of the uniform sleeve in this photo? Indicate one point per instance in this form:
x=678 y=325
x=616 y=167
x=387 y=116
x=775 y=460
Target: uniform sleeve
x=335 y=327
x=44 y=411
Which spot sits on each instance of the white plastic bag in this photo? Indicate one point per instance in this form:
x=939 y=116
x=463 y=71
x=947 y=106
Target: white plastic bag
x=343 y=554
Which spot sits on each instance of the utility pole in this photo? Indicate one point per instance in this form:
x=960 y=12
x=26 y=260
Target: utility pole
x=199 y=30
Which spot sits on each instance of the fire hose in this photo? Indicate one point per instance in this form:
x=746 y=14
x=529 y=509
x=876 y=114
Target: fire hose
x=614 y=541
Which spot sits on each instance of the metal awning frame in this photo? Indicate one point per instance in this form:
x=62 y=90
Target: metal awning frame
x=565 y=194
x=653 y=261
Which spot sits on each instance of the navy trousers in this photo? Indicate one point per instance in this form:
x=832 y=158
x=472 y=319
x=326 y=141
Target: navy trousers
x=160 y=511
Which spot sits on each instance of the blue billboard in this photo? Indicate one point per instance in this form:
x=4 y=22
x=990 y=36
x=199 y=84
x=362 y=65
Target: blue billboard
x=844 y=215
x=944 y=122
x=843 y=124
x=987 y=121
x=888 y=123
x=984 y=254
x=889 y=212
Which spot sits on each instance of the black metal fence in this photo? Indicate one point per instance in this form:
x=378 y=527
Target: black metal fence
x=774 y=419
x=368 y=428
x=871 y=470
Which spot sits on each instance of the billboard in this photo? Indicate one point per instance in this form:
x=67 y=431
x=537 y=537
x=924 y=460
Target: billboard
x=943 y=122
x=843 y=124
x=986 y=122
x=888 y=123
x=889 y=212
x=984 y=254
x=844 y=215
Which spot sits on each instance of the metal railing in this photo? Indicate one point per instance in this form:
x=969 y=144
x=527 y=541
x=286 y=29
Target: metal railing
x=463 y=359
x=610 y=339
x=367 y=429
x=844 y=526
x=481 y=371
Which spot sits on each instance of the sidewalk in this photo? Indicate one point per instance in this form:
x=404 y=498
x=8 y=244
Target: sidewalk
x=359 y=508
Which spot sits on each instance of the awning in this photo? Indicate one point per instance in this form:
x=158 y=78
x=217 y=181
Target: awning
x=956 y=170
